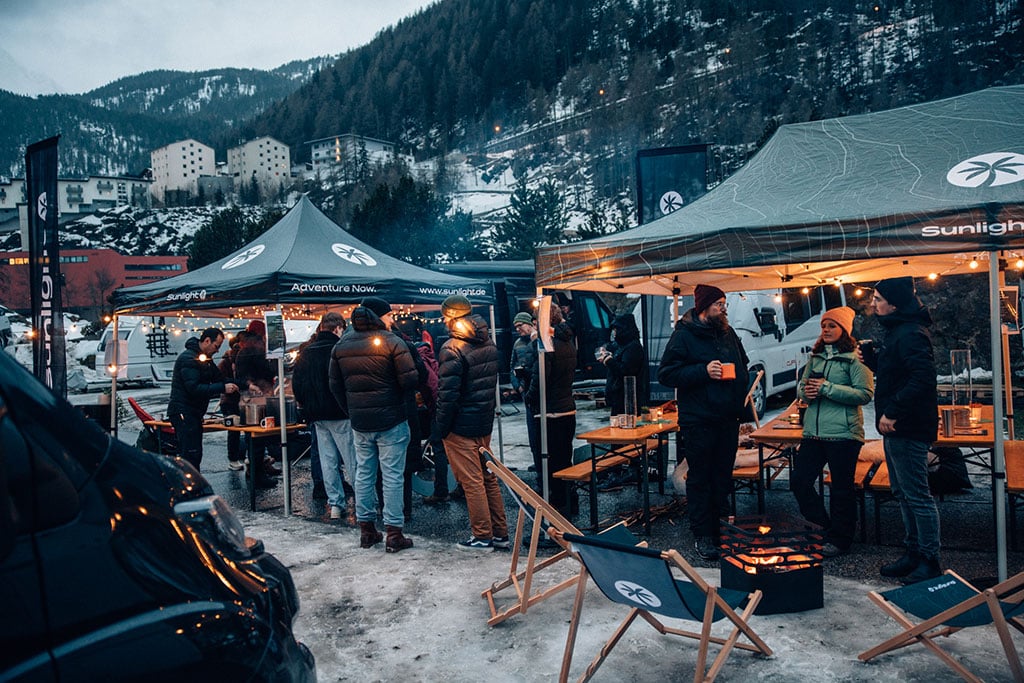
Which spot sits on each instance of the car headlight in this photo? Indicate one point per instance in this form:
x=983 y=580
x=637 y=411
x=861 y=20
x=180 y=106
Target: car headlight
x=213 y=519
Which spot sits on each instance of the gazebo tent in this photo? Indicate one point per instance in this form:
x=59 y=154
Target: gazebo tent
x=304 y=262
x=916 y=190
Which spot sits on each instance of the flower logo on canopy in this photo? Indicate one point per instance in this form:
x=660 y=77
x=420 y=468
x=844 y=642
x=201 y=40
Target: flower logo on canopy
x=670 y=201
x=634 y=592
x=246 y=256
x=353 y=255
x=988 y=170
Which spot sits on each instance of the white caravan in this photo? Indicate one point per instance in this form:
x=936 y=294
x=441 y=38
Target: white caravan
x=777 y=328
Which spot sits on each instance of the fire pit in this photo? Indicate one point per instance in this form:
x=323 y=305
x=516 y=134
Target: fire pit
x=780 y=555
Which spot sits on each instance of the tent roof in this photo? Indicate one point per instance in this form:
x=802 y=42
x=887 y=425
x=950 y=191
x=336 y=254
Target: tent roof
x=304 y=262
x=916 y=190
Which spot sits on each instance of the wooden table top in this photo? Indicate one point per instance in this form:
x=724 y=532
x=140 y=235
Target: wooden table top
x=780 y=430
x=621 y=435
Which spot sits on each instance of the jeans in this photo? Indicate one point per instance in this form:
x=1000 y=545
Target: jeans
x=188 y=430
x=907 y=461
x=483 y=495
x=386 y=449
x=710 y=451
x=840 y=521
x=334 y=441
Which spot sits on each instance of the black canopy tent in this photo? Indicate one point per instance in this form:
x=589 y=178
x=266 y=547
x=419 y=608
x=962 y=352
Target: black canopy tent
x=920 y=190
x=304 y=265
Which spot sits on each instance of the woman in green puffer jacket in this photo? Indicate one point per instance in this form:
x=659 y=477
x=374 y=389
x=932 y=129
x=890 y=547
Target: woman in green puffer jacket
x=834 y=385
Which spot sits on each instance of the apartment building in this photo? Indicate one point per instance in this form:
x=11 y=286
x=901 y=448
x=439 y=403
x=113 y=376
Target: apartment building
x=348 y=148
x=177 y=167
x=264 y=159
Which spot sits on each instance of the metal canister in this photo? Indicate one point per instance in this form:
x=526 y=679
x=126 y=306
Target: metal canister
x=948 y=421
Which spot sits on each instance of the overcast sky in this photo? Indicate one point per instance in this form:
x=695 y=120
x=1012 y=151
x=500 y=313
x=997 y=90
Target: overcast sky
x=77 y=46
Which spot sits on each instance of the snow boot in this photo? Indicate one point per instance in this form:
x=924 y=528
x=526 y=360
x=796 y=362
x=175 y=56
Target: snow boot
x=369 y=535
x=396 y=541
x=927 y=568
x=902 y=566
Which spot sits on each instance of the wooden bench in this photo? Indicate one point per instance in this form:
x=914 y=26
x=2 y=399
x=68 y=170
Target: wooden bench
x=1014 y=484
x=581 y=472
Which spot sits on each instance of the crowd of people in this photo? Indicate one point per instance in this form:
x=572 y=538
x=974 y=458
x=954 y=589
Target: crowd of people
x=373 y=390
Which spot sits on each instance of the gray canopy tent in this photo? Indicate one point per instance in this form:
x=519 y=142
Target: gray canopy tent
x=919 y=190
x=304 y=265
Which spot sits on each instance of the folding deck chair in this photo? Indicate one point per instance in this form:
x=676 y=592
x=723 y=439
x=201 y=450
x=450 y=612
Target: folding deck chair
x=164 y=437
x=543 y=517
x=947 y=604
x=644 y=580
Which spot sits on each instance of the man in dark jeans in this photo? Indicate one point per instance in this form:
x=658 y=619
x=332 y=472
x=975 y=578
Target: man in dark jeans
x=194 y=382
x=907 y=417
x=711 y=403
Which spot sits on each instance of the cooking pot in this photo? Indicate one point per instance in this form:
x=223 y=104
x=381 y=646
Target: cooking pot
x=291 y=409
x=252 y=413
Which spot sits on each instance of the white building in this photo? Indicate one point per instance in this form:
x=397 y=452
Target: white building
x=265 y=159
x=177 y=167
x=348 y=148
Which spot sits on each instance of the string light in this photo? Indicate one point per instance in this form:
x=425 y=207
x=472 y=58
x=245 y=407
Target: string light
x=973 y=265
x=933 y=276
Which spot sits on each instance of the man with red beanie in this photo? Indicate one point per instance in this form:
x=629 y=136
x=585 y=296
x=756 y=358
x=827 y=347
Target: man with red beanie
x=906 y=414
x=711 y=404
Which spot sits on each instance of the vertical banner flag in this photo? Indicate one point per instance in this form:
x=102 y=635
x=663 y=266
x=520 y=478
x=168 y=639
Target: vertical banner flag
x=48 y=360
x=668 y=178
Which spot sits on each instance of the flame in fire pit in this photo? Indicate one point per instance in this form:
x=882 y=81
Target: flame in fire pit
x=764 y=528
x=769 y=558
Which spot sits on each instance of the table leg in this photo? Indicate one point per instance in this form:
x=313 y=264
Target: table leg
x=251 y=456
x=647 y=493
x=593 y=488
x=760 y=479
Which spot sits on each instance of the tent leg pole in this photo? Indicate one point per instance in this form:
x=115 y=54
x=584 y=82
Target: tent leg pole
x=113 y=379
x=998 y=455
x=497 y=395
x=285 y=464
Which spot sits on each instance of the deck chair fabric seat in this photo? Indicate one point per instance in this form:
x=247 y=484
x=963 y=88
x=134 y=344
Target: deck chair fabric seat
x=947 y=604
x=519 y=582
x=645 y=580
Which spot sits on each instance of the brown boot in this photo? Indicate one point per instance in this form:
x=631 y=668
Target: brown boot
x=350 y=512
x=369 y=535
x=396 y=541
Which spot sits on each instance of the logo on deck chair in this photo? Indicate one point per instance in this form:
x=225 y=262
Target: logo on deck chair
x=988 y=170
x=353 y=255
x=634 y=592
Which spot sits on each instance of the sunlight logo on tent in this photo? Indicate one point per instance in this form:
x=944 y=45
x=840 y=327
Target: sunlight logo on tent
x=988 y=170
x=670 y=201
x=246 y=256
x=353 y=255
x=41 y=207
x=634 y=592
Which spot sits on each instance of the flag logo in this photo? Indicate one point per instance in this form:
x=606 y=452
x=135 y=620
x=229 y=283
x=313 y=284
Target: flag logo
x=353 y=255
x=988 y=170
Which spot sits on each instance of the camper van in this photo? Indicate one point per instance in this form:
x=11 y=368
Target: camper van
x=777 y=328
x=154 y=342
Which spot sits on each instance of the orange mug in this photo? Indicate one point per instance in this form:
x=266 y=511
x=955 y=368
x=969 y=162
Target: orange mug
x=268 y=423
x=728 y=371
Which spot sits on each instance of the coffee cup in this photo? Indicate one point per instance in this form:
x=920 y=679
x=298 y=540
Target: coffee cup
x=268 y=423
x=728 y=371
x=229 y=420
x=867 y=351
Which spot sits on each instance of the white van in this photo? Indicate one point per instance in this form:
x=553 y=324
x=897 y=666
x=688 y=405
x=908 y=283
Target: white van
x=154 y=342
x=777 y=328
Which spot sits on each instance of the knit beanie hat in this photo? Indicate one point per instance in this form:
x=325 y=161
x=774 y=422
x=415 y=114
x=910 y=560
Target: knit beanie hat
x=842 y=316
x=456 y=306
x=257 y=326
x=522 y=317
x=377 y=305
x=898 y=291
x=704 y=296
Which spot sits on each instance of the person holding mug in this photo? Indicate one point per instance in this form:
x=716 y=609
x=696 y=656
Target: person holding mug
x=834 y=385
x=697 y=361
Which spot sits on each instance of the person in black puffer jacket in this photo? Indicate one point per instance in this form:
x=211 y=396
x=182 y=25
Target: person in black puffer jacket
x=559 y=373
x=466 y=386
x=710 y=409
x=907 y=417
x=311 y=384
x=194 y=382
x=371 y=374
x=624 y=357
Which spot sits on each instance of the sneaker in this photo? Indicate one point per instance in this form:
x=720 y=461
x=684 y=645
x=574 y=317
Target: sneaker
x=706 y=548
x=501 y=542
x=475 y=543
x=832 y=550
x=435 y=499
x=457 y=494
x=236 y=465
x=335 y=512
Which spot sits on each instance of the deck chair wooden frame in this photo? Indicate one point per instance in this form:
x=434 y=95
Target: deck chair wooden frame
x=659 y=579
x=749 y=400
x=1002 y=606
x=520 y=577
